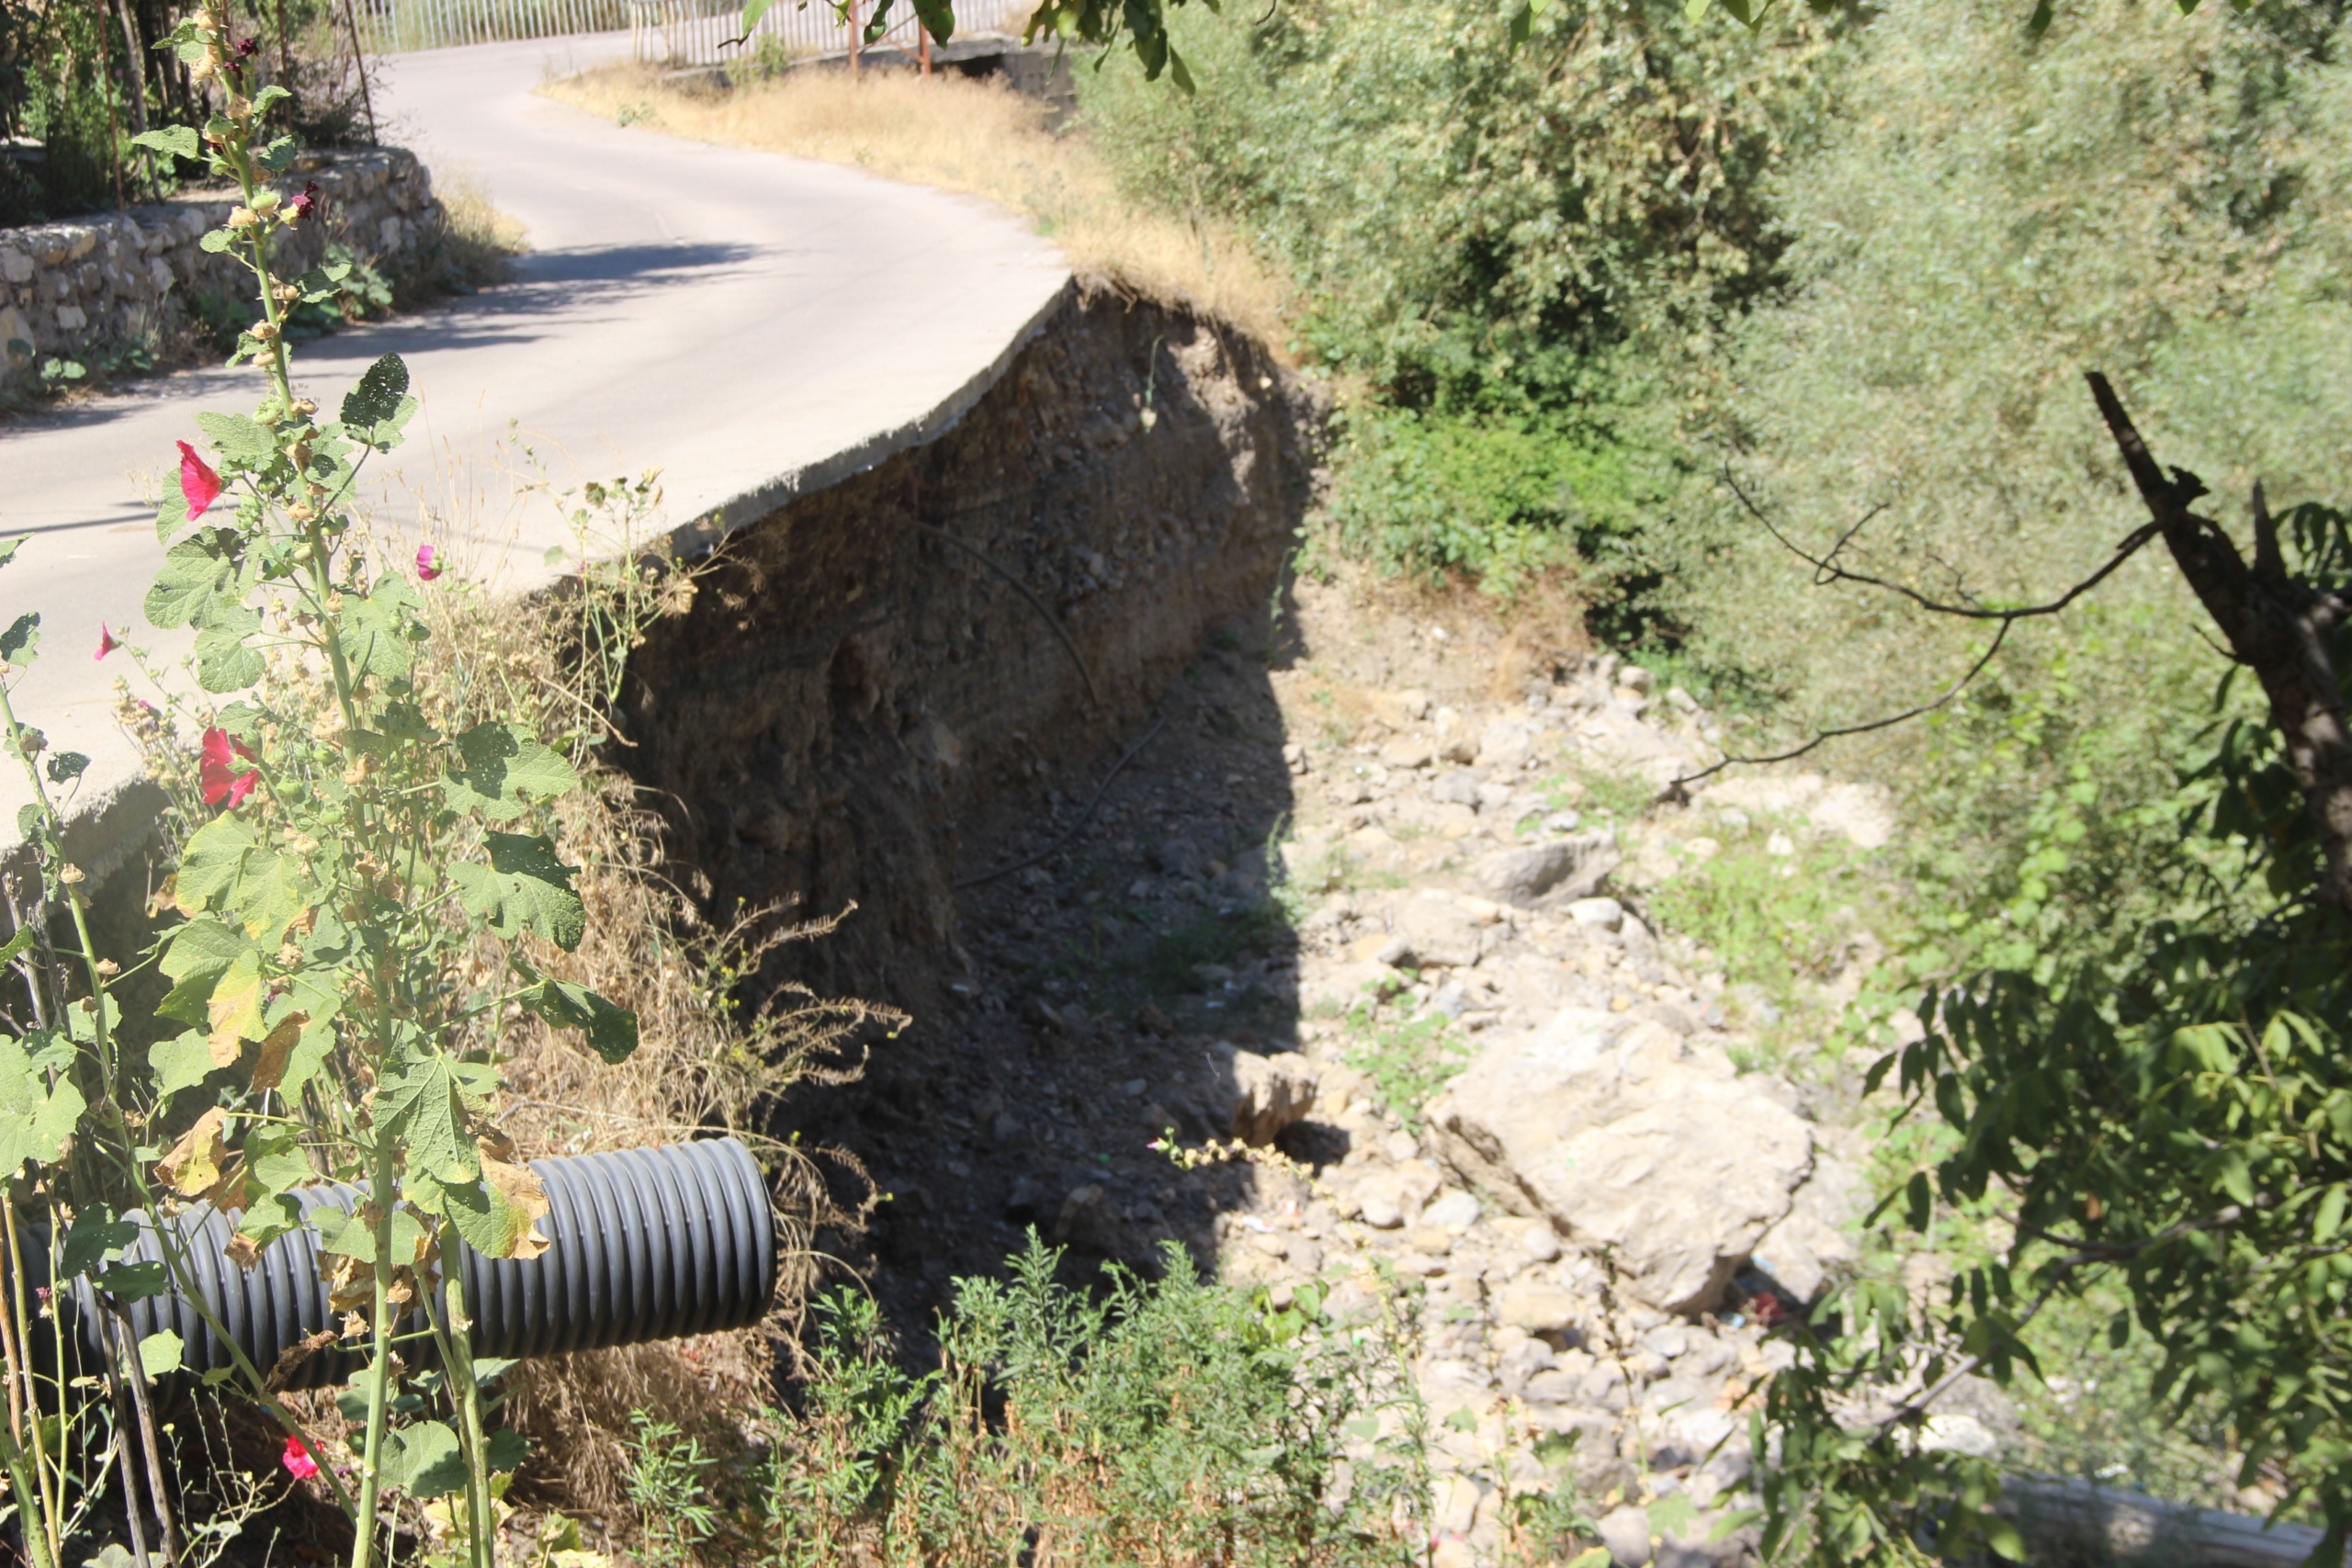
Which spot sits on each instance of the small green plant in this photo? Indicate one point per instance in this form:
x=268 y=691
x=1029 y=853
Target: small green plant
x=1408 y=1060
x=666 y=1475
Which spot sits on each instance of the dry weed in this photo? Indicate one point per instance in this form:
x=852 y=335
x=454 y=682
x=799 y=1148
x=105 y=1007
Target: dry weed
x=703 y=1062
x=977 y=137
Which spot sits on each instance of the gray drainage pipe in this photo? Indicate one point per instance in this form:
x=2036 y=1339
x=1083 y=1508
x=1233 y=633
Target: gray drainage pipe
x=643 y=1243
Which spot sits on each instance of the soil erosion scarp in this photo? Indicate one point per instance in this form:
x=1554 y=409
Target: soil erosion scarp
x=860 y=696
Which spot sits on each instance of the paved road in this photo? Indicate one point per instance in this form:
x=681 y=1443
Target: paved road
x=752 y=325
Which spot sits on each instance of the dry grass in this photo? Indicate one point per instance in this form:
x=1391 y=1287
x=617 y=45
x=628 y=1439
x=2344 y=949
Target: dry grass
x=703 y=1062
x=975 y=137
x=480 y=243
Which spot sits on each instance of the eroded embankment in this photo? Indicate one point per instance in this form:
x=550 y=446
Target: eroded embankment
x=862 y=695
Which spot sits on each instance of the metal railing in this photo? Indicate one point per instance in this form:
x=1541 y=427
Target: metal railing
x=667 y=32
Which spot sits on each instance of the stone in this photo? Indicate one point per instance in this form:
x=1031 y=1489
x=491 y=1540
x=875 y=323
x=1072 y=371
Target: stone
x=1435 y=930
x=72 y=318
x=1379 y=1207
x=1535 y=1308
x=1504 y=746
x=16 y=267
x=1178 y=858
x=1494 y=799
x=1539 y=1245
x=1620 y=1135
x=1087 y=1220
x=1455 y=789
x=1811 y=1244
x=1453 y=1207
x=1604 y=914
x=1562 y=870
x=1267 y=1094
x=1407 y=752
x=1633 y=678
x=1626 y=1533
x=15 y=329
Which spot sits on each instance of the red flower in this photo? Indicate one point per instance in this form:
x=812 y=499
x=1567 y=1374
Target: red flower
x=298 y=1461
x=223 y=785
x=429 y=562
x=199 y=483
x=306 y=202
x=106 y=643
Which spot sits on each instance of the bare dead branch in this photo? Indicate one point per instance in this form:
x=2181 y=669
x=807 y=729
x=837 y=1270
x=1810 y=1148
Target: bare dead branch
x=1827 y=570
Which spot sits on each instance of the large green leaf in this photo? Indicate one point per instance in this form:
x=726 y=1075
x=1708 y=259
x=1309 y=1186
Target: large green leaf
x=525 y=886
x=36 y=1117
x=195 y=956
x=611 y=1028
x=501 y=769
x=424 y=1103
x=374 y=411
x=423 y=1461
x=239 y=439
x=195 y=572
x=380 y=630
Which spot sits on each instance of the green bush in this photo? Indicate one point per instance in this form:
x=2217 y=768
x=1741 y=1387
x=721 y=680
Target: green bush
x=1174 y=1422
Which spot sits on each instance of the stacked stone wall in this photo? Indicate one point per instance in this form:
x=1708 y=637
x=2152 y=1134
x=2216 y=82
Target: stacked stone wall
x=90 y=284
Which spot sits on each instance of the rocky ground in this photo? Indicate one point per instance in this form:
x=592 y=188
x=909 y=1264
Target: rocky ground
x=1366 y=898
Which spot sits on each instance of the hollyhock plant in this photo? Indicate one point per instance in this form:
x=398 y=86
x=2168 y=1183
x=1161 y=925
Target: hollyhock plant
x=298 y=1461
x=306 y=202
x=108 y=642
x=199 y=483
x=223 y=784
x=429 y=562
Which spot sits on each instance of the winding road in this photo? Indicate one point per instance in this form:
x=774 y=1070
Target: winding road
x=754 y=326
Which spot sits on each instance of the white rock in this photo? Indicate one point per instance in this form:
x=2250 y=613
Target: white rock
x=1562 y=870
x=1453 y=1207
x=1436 y=930
x=1535 y=1307
x=1606 y=913
x=1268 y=1093
x=1626 y=1533
x=1619 y=1135
x=1504 y=746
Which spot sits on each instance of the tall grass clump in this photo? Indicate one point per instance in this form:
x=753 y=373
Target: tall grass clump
x=976 y=137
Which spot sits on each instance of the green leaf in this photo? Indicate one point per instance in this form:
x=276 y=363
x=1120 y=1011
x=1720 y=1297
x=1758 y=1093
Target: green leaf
x=136 y=1282
x=380 y=630
x=425 y=1103
x=495 y=1211
x=9 y=547
x=223 y=662
x=1671 y=1515
x=610 y=1028
x=182 y=1061
x=506 y=1449
x=1593 y=1557
x=525 y=888
x=216 y=241
x=67 y=766
x=240 y=440
x=197 y=954
x=2330 y=1218
x=2002 y=1536
x=501 y=769
x=178 y=141
x=97 y=1231
x=375 y=410
x=23 y=636
x=160 y=1353
x=36 y=1117
x=195 y=572
x=423 y=1461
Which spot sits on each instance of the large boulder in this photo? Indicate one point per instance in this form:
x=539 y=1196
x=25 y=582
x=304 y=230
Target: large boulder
x=1437 y=931
x=1625 y=1135
x=1558 y=871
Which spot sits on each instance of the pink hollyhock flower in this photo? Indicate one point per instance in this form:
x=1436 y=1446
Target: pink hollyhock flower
x=223 y=784
x=298 y=1461
x=106 y=643
x=307 y=202
x=429 y=562
x=197 y=482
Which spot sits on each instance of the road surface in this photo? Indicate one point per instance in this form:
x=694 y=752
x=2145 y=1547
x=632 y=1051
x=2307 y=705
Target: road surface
x=751 y=324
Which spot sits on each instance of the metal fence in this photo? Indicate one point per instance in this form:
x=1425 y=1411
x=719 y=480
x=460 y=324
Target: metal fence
x=671 y=32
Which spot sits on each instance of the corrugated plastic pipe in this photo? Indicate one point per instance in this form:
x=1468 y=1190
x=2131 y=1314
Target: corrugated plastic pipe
x=643 y=1243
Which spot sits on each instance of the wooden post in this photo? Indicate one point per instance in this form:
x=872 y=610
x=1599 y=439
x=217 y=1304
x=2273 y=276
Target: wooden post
x=854 y=30
x=359 y=64
x=923 y=43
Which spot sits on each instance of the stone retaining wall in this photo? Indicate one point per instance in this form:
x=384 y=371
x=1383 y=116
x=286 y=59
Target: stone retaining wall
x=130 y=277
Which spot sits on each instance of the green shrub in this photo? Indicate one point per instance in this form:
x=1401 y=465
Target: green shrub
x=1174 y=1422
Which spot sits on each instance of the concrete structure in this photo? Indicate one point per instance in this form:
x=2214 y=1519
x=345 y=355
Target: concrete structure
x=756 y=326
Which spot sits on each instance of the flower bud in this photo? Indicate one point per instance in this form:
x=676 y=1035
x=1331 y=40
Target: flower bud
x=200 y=70
x=263 y=331
x=239 y=106
x=265 y=201
x=242 y=218
x=305 y=407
